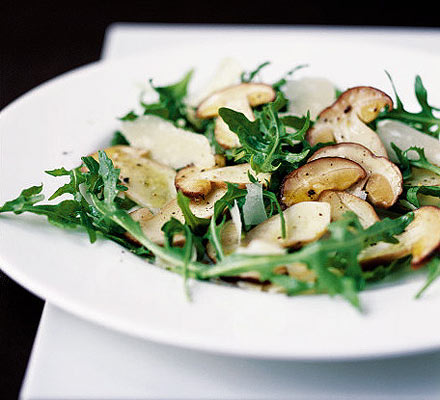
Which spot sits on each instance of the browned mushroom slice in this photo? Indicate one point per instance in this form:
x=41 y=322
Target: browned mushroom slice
x=341 y=202
x=240 y=98
x=305 y=222
x=238 y=174
x=152 y=225
x=345 y=120
x=383 y=183
x=309 y=181
x=420 y=239
x=150 y=184
x=189 y=183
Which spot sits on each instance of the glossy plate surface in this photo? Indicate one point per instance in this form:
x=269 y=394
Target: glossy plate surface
x=76 y=114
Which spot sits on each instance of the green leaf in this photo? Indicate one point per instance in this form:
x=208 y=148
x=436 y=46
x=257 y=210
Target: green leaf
x=76 y=178
x=333 y=258
x=247 y=77
x=265 y=142
x=64 y=214
x=171 y=104
x=381 y=272
x=412 y=192
x=27 y=198
x=405 y=162
x=274 y=203
x=282 y=81
x=195 y=223
x=118 y=139
x=110 y=178
x=291 y=285
x=130 y=116
x=424 y=120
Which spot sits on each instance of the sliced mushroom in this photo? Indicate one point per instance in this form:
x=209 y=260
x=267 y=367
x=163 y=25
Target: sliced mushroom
x=258 y=246
x=152 y=225
x=228 y=239
x=345 y=120
x=420 y=239
x=188 y=180
x=228 y=73
x=150 y=184
x=189 y=183
x=220 y=161
x=238 y=174
x=167 y=143
x=341 y=202
x=305 y=222
x=301 y=272
x=240 y=98
x=383 y=183
x=328 y=173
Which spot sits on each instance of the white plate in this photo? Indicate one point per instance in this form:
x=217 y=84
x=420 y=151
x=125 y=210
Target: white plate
x=75 y=114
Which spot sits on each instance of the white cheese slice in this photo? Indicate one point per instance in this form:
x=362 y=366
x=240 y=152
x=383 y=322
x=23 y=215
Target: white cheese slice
x=403 y=136
x=309 y=94
x=167 y=143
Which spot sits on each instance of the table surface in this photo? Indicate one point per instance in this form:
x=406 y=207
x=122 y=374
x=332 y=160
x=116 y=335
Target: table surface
x=77 y=359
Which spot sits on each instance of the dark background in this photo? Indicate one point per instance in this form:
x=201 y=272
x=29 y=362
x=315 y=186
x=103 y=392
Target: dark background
x=40 y=41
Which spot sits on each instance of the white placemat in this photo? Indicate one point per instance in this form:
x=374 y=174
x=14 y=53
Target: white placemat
x=76 y=359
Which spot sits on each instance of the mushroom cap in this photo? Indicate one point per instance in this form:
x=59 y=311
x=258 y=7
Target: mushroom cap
x=383 y=183
x=310 y=180
x=345 y=120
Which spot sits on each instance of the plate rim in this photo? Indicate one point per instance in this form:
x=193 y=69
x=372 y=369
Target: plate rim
x=31 y=286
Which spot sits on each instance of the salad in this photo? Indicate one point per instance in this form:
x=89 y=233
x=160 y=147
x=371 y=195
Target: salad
x=294 y=186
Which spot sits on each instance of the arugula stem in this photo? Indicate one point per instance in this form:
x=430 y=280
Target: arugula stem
x=216 y=240
x=414 y=118
x=434 y=273
x=126 y=222
x=236 y=264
